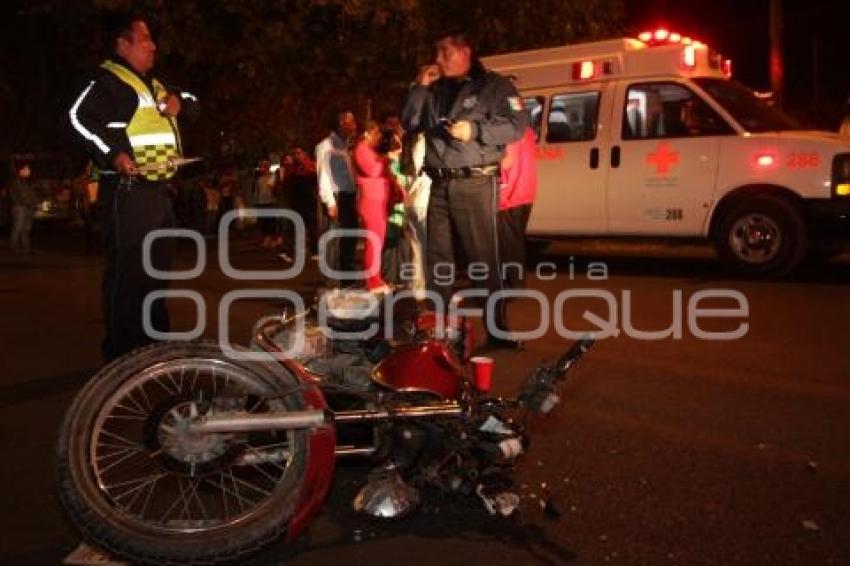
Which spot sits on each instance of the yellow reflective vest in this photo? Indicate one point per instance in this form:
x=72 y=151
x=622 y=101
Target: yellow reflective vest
x=154 y=138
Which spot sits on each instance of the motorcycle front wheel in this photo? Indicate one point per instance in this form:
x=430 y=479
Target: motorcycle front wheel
x=140 y=485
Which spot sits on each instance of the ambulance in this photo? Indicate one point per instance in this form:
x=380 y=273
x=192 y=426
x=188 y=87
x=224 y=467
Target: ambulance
x=651 y=137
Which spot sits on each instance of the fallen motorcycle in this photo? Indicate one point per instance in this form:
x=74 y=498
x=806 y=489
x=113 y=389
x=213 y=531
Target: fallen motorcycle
x=179 y=454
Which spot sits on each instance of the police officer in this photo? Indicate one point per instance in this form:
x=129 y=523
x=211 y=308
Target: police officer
x=127 y=119
x=468 y=115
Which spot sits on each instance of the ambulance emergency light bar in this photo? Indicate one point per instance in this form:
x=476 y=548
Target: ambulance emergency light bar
x=664 y=37
x=625 y=57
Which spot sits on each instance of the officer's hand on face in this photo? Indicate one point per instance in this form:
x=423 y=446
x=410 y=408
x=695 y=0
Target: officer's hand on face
x=170 y=106
x=428 y=74
x=461 y=130
x=124 y=165
x=332 y=212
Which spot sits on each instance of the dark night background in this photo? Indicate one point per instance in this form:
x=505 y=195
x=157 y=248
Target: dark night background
x=267 y=71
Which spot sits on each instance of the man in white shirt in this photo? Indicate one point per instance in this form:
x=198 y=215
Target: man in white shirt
x=338 y=187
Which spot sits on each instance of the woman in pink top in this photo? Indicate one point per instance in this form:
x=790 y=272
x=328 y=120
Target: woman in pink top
x=373 y=194
x=516 y=196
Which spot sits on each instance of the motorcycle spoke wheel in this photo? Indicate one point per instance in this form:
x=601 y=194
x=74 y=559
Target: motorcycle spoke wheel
x=140 y=483
x=152 y=469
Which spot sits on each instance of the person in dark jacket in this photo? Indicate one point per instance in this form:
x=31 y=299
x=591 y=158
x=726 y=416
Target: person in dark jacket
x=127 y=120
x=468 y=115
x=24 y=201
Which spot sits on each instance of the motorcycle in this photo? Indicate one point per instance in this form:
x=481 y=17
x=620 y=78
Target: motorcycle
x=180 y=454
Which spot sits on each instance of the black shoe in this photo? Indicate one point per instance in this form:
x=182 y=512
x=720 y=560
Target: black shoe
x=504 y=344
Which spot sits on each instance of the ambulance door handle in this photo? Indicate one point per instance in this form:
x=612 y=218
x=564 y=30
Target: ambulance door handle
x=594 y=158
x=615 y=156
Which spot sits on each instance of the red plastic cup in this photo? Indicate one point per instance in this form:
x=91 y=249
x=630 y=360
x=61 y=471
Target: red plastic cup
x=482 y=370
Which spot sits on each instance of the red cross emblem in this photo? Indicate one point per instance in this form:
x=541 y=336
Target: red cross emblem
x=663 y=158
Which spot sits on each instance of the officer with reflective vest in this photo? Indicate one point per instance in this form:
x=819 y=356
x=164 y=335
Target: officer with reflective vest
x=127 y=119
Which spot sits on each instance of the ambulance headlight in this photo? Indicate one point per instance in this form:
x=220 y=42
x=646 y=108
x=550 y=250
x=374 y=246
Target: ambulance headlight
x=841 y=175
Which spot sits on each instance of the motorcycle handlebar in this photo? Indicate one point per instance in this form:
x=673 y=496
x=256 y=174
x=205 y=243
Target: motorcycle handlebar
x=576 y=351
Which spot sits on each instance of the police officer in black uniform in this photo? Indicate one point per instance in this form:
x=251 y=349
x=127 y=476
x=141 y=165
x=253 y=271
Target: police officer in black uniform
x=127 y=119
x=468 y=115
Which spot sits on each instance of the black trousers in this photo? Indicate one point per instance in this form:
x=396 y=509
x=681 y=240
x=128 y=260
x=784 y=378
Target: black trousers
x=129 y=212
x=341 y=250
x=305 y=205
x=512 y=225
x=269 y=226
x=462 y=222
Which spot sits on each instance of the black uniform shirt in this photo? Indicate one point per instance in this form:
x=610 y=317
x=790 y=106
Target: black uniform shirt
x=486 y=99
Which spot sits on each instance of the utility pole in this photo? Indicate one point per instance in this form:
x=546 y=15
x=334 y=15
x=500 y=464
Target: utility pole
x=777 y=65
x=815 y=70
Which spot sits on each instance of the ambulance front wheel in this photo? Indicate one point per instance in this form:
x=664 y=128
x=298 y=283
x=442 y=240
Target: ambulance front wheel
x=763 y=236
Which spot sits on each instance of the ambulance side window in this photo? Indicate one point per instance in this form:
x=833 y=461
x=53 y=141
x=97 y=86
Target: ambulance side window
x=572 y=117
x=534 y=107
x=668 y=110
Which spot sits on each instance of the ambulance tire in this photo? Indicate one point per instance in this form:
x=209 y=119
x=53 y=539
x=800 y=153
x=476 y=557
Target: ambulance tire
x=762 y=236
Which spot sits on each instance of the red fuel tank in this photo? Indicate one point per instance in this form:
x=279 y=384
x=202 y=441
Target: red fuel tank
x=427 y=367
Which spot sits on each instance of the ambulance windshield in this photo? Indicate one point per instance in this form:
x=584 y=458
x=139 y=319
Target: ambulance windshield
x=754 y=114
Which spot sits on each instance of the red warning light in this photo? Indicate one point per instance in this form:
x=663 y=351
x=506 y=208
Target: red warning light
x=663 y=36
x=765 y=160
x=584 y=70
x=689 y=57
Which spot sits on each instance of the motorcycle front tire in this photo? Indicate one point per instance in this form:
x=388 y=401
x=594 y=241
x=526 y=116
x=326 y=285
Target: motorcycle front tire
x=105 y=526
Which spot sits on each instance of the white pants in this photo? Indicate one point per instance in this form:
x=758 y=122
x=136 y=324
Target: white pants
x=416 y=214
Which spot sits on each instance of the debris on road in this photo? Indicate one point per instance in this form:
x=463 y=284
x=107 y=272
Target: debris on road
x=504 y=503
x=86 y=555
x=810 y=525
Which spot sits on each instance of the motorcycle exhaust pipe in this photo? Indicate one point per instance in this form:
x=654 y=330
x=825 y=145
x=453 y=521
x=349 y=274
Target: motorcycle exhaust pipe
x=283 y=455
x=246 y=422
x=372 y=415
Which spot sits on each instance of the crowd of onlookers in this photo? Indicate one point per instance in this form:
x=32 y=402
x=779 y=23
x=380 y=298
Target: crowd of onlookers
x=353 y=179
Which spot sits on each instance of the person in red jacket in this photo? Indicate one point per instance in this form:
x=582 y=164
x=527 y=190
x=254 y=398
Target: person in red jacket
x=375 y=189
x=518 y=189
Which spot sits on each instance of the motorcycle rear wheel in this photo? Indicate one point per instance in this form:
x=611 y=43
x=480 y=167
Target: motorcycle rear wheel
x=139 y=485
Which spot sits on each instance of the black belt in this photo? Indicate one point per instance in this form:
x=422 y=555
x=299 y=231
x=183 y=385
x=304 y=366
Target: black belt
x=461 y=172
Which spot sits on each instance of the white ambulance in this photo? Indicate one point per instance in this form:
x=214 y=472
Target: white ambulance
x=651 y=137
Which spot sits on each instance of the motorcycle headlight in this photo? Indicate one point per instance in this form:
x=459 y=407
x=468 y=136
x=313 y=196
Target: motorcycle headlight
x=841 y=175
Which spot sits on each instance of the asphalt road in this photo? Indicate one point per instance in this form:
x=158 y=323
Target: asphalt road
x=675 y=451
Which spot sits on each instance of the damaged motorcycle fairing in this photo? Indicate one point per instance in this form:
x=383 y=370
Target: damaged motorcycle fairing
x=321 y=461
x=461 y=453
